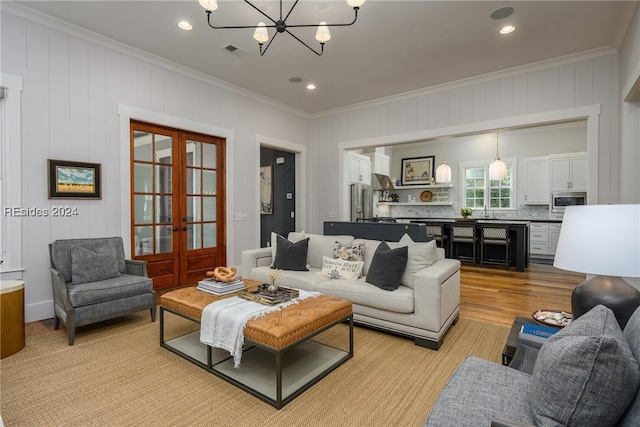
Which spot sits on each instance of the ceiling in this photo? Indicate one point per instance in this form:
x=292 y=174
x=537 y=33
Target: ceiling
x=394 y=47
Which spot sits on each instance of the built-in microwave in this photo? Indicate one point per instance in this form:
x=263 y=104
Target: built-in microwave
x=559 y=201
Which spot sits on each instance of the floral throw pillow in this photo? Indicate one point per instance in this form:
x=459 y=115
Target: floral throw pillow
x=348 y=252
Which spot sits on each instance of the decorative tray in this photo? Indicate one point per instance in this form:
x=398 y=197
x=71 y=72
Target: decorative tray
x=426 y=196
x=264 y=296
x=556 y=318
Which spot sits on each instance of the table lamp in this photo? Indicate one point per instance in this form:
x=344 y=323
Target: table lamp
x=604 y=241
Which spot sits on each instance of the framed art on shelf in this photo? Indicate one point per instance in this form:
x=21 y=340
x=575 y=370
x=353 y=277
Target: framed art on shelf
x=73 y=180
x=417 y=170
x=266 y=190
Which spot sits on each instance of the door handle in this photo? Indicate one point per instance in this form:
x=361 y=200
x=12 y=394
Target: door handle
x=174 y=229
x=184 y=228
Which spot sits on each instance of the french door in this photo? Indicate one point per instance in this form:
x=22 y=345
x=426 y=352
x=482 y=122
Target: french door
x=177 y=203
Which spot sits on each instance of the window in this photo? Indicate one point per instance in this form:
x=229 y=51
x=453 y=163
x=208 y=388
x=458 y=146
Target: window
x=478 y=191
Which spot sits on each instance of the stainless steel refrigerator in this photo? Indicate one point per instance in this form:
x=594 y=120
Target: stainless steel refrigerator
x=361 y=202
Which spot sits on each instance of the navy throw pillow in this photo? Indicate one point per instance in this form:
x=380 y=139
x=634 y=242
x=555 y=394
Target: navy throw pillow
x=291 y=256
x=387 y=267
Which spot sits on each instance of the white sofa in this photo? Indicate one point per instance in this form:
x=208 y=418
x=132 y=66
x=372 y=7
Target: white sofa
x=423 y=313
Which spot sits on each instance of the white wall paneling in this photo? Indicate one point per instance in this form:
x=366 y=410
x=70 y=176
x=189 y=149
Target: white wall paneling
x=10 y=178
x=74 y=83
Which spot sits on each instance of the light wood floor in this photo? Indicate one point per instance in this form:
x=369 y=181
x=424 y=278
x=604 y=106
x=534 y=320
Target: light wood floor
x=490 y=294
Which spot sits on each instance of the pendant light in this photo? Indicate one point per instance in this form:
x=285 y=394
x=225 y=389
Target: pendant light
x=497 y=168
x=443 y=172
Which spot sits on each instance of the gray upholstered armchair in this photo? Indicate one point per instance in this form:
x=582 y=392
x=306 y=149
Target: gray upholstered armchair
x=92 y=282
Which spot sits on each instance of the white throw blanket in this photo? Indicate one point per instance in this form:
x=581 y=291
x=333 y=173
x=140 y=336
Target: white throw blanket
x=223 y=322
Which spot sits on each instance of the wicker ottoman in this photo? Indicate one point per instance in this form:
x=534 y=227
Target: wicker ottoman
x=282 y=337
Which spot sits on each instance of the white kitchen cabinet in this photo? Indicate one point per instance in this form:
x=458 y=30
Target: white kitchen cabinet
x=535 y=176
x=358 y=168
x=554 y=235
x=543 y=238
x=568 y=172
x=379 y=163
x=539 y=238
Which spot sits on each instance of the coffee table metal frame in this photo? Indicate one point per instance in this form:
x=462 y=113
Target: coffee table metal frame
x=279 y=401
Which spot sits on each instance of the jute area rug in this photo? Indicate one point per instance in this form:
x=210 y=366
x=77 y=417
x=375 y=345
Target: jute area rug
x=117 y=374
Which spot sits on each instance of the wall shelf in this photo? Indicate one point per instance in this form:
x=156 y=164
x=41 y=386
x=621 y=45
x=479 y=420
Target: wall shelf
x=414 y=204
x=422 y=187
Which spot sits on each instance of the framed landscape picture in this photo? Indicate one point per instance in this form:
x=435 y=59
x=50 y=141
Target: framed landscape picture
x=73 y=180
x=417 y=170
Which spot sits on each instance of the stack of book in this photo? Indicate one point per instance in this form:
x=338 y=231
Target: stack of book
x=220 y=288
x=535 y=335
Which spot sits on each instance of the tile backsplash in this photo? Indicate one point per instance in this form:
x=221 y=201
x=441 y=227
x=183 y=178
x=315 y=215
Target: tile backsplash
x=422 y=211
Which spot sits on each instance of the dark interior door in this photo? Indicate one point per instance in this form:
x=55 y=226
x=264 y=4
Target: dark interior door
x=282 y=219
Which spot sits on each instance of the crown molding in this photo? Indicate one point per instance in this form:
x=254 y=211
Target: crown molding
x=76 y=31
x=509 y=72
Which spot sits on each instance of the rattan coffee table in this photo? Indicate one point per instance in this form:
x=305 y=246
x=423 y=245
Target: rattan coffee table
x=280 y=358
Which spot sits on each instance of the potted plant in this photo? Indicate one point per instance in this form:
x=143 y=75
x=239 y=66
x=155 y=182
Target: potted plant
x=466 y=212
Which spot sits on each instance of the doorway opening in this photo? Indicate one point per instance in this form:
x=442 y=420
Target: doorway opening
x=277 y=193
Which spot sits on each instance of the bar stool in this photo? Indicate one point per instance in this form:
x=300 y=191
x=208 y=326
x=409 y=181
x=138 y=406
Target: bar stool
x=437 y=231
x=494 y=235
x=465 y=234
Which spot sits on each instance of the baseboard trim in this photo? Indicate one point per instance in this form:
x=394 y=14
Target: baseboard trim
x=38 y=311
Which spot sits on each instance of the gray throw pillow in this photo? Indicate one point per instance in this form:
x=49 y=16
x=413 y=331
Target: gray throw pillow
x=291 y=256
x=387 y=267
x=585 y=375
x=92 y=266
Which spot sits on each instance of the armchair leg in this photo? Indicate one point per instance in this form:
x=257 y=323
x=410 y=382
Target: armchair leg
x=57 y=323
x=71 y=332
x=153 y=313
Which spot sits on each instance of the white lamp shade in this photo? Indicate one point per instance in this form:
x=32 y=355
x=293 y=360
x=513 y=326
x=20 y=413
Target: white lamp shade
x=355 y=3
x=323 y=34
x=497 y=170
x=261 y=34
x=443 y=173
x=209 y=4
x=600 y=240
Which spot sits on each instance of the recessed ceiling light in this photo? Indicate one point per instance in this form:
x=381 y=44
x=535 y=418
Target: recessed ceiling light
x=311 y=86
x=185 y=25
x=507 y=29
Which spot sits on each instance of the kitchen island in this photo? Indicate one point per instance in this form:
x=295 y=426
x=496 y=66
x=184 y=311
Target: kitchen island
x=518 y=233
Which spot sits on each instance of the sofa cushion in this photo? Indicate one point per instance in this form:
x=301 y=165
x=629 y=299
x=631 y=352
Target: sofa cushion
x=420 y=255
x=61 y=252
x=320 y=245
x=362 y=293
x=478 y=391
x=124 y=286
x=585 y=374
x=305 y=280
x=352 y=252
x=291 y=256
x=387 y=267
x=93 y=265
x=341 y=268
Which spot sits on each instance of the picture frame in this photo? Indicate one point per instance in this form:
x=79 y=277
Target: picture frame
x=74 y=180
x=418 y=170
x=266 y=190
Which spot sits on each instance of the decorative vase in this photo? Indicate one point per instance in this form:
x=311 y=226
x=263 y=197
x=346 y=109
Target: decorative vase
x=273 y=287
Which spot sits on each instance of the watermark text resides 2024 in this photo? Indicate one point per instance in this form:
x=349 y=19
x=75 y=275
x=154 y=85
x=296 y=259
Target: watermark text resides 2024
x=32 y=211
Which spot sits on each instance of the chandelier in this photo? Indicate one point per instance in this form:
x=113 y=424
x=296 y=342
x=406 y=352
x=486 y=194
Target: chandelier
x=261 y=35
